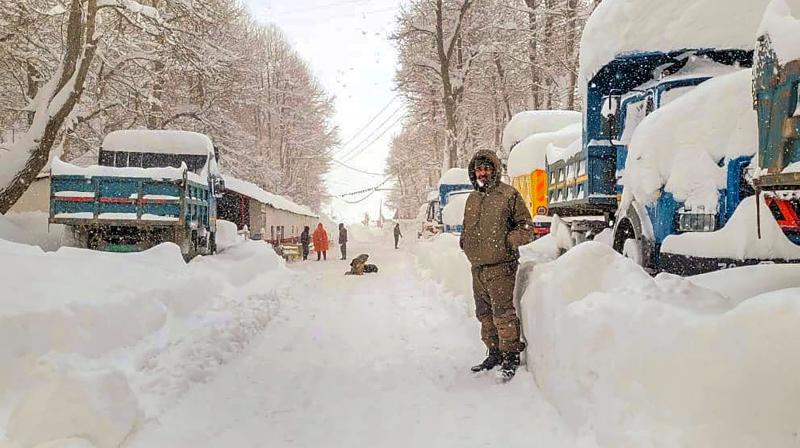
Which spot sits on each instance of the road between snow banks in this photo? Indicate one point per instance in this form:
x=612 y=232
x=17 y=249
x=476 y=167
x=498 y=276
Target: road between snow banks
x=380 y=360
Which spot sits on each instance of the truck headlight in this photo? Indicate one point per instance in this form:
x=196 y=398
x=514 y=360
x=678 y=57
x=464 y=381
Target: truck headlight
x=696 y=222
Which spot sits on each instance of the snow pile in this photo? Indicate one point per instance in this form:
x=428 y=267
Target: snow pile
x=227 y=234
x=252 y=190
x=530 y=154
x=662 y=362
x=680 y=147
x=60 y=168
x=158 y=141
x=454 y=176
x=527 y=123
x=31 y=228
x=781 y=24
x=453 y=212
x=738 y=239
x=627 y=26
x=442 y=260
x=121 y=335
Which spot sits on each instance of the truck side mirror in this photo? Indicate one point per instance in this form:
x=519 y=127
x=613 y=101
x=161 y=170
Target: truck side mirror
x=219 y=187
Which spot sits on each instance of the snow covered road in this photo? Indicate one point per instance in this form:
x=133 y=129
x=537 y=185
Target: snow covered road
x=380 y=360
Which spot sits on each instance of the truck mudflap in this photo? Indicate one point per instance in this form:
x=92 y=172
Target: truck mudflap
x=686 y=265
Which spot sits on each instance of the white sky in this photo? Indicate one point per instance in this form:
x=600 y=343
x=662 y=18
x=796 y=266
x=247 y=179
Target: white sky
x=345 y=42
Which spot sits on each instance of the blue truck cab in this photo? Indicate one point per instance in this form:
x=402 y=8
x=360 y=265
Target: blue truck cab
x=149 y=187
x=620 y=95
x=776 y=89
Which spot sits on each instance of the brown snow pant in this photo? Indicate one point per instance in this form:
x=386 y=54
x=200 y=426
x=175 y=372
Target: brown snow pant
x=493 y=289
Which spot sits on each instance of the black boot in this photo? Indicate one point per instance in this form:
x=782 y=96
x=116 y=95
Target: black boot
x=493 y=359
x=509 y=367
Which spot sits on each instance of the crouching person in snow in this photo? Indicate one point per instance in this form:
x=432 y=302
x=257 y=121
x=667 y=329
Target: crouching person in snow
x=496 y=224
x=359 y=266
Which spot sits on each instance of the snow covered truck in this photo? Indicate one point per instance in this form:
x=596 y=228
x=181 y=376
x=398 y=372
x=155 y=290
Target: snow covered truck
x=149 y=187
x=670 y=136
x=453 y=183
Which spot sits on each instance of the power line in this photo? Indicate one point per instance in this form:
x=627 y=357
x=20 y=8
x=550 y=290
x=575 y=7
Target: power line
x=360 y=150
x=374 y=117
x=369 y=191
x=357 y=147
x=356 y=169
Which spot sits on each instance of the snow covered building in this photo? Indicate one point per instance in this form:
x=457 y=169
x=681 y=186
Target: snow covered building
x=268 y=216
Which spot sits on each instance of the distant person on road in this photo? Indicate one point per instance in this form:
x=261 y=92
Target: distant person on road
x=320 y=238
x=496 y=224
x=397 y=234
x=305 y=241
x=343 y=240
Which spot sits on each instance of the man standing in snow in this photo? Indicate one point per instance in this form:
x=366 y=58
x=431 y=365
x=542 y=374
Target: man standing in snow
x=496 y=224
x=343 y=240
x=397 y=234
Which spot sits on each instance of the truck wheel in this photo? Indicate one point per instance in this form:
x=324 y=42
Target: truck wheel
x=633 y=250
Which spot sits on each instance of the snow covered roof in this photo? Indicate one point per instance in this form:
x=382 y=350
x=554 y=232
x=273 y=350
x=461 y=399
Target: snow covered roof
x=627 y=26
x=455 y=176
x=527 y=123
x=161 y=141
x=252 y=190
x=680 y=145
x=781 y=24
x=530 y=153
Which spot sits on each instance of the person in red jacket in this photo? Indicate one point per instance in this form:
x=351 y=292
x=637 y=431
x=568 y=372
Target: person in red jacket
x=320 y=238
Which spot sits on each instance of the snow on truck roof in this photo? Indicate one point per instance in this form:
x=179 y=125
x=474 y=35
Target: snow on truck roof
x=527 y=123
x=161 y=141
x=529 y=154
x=252 y=190
x=629 y=26
x=781 y=24
x=455 y=176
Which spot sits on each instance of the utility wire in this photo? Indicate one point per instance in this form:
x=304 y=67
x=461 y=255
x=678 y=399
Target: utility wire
x=363 y=148
x=354 y=150
x=374 y=117
x=355 y=169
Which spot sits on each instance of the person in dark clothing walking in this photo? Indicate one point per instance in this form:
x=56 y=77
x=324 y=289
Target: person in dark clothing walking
x=496 y=224
x=343 y=240
x=397 y=234
x=305 y=241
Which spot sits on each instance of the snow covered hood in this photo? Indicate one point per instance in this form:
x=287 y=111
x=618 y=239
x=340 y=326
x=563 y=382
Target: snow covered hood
x=254 y=191
x=530 y=153
x=527 y=123
x=626 y=26
x=679 y=147
x=782 y=26
x=453 y=212
x=158 y=141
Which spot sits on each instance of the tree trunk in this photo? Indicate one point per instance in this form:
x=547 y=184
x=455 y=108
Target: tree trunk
x=55 y=102
x=532 y=49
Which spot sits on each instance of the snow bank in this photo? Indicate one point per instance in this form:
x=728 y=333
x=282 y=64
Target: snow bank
x=158 y=141
x=454 y=176
x=453 y=212
x=680 y=146
x=627 y=26
x=227 y=235
x=442 y=260
x=530 y=154
x=123 y=332
x=31 y=228
x=780 y=23
x=98 y=406
x=527 y=123
x=738 y=239
x=661 y=362
x=254 y=191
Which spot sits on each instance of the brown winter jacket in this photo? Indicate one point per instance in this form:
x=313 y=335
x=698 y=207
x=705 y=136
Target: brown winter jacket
x=496 y=220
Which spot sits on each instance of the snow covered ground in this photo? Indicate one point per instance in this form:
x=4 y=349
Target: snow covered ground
x=241 y=349
x=380 y=360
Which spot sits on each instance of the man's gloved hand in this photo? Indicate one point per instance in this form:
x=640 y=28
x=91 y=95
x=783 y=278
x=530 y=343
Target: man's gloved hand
x=517 y=238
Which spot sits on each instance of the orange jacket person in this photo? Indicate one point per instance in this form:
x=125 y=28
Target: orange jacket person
x=320 y=239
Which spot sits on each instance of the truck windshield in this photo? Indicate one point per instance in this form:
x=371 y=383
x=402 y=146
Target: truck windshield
x=120 y=159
